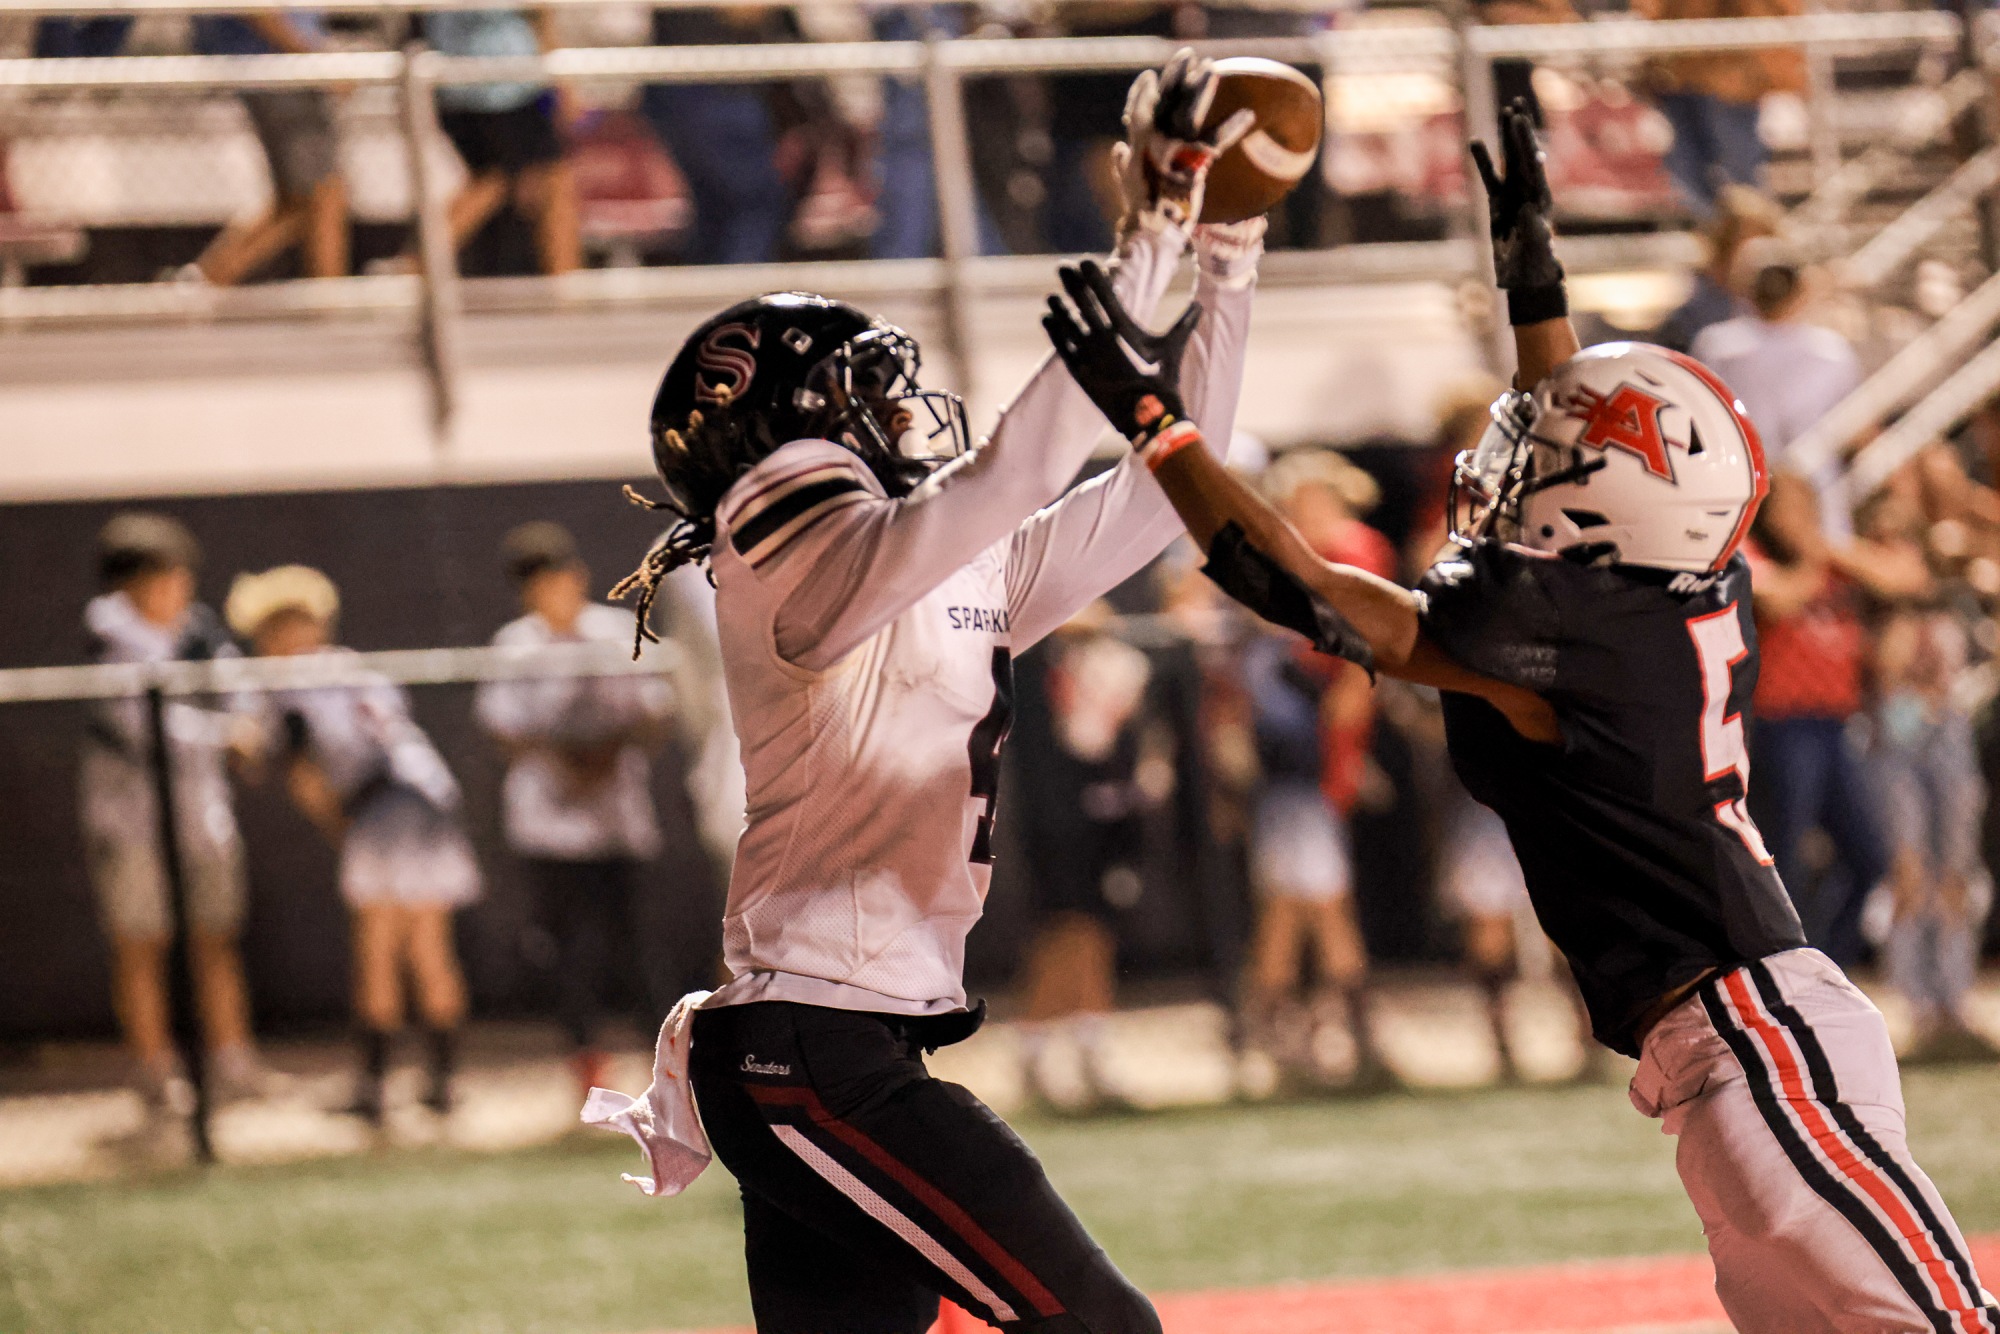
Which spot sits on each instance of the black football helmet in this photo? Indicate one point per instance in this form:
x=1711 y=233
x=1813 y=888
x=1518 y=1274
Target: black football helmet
x=784 y=367
x=793 y=366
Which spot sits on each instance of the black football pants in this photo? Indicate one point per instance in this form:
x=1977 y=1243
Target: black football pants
x=869 y=1188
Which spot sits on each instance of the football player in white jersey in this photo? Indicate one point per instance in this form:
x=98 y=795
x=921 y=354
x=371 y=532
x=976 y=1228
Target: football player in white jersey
x=869 y=605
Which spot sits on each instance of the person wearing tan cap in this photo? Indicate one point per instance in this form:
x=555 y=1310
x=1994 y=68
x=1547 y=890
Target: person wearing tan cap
x=148 y=613
x=360 y=768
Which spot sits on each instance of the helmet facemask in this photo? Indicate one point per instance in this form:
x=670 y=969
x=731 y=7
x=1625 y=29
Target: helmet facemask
x=868 y=393
x=1486 y=480
x=1491 y=481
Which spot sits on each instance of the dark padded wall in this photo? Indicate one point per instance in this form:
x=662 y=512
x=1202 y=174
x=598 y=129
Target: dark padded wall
x=416 y=568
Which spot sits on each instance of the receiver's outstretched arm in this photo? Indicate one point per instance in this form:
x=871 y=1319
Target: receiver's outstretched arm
x=1521 y=213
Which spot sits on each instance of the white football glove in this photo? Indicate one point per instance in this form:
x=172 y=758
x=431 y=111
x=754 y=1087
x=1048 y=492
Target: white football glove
x=1228 y=251
x=1163 y=163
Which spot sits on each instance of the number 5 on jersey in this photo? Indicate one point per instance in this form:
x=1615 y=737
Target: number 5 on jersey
x=1718 y=644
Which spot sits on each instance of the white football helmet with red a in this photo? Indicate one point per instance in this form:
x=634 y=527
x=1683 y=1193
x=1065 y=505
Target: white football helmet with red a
x=1625 y=451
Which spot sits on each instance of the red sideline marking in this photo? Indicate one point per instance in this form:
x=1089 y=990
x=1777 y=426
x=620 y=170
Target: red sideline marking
x=1589 y=1297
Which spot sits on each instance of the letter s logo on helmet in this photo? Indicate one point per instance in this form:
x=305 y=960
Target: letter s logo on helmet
x=733 y=367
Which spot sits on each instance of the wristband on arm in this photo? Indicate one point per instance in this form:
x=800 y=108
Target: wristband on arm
x=1267 y=588
x=1533 y=305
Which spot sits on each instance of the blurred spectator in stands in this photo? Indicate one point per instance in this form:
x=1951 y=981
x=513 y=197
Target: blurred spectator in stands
x=905 y=183
x=148 y=614
x=1219 y=796
x=1093 y=772
x=358 y=766
x=302 y=146
x=724 y=136
x=1314 y=719
x=1741 y=215
x=1712 y=98
x=74 y=39
x=1789 y=373
x=508 y=134
x=1813 y=646
x=578 y=803
x=1086 y=113
x=1934 y=798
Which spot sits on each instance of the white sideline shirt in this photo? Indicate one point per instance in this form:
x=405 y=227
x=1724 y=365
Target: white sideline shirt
x=546 y=810
x=867 y=643
x=1788 y=375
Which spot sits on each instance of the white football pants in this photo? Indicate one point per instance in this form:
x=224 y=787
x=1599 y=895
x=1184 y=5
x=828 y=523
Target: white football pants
x=1780 y=1083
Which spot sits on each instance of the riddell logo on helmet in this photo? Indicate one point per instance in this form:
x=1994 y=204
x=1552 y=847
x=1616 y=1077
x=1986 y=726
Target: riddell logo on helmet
x=1629 y=419
x=733 y=367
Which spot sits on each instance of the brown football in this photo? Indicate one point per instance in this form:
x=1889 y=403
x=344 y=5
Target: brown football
x=1276 y=155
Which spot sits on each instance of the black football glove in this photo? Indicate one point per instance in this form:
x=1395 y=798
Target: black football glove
x=1132 y=374
x=1520 y=208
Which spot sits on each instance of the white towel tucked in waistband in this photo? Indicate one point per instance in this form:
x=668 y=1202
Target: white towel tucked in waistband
x=663 y=1118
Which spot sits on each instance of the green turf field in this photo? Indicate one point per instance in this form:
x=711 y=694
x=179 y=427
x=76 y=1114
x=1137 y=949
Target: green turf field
x=551 y=1240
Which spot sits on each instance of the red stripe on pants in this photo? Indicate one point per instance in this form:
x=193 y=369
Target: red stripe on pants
x=1842 y=1155
x=947 y=1210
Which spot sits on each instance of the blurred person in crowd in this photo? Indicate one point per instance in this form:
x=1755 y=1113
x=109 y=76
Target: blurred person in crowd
x=1314 y=719
x=1712 y=98
x=1742 y=215
x=1219 y=789
x=1084 y=115
x=64 y=38
x=905 y=181
x=577 y=806
x=1091 y=769
x=1924 y=757
x=508 y=134
x=296 y=128
x=148 y=613
x=1809 y=600
x=356 y=764
x=1481 y=878
x=1788 y=373
x=724 y=136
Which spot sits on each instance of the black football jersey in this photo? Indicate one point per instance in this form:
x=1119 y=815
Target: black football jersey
x=1638 y=851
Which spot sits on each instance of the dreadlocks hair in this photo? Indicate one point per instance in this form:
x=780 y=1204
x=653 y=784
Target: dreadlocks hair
x=701 y=461
x=708 y=456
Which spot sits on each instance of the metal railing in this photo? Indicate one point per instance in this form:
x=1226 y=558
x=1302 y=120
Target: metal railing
x=1462 y=55
x=156 y=683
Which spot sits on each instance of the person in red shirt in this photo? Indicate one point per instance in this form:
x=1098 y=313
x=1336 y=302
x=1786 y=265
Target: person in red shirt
x=1808 y=596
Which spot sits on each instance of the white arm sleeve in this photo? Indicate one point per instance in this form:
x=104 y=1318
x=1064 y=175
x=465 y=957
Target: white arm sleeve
x=864 y=563
x=1104 y=532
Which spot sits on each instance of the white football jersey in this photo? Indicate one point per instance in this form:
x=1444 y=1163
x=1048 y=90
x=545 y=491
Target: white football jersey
x=867 y=644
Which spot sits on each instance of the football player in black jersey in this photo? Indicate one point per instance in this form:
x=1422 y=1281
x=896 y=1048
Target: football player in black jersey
x=1590 y=631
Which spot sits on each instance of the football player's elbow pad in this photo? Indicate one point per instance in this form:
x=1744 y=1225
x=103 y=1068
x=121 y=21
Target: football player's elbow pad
x=1267 y=588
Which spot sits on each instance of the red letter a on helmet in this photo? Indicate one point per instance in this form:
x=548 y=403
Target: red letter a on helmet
x=1628 y=419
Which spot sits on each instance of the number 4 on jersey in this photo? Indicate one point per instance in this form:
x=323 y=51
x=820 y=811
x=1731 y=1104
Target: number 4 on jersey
x=1718 y=644
x=987 y=737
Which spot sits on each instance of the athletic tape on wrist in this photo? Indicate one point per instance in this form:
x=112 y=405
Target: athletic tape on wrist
x=1532 y=305
x=1166 y=442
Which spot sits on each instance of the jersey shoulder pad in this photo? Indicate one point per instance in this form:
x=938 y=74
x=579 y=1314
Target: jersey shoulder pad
x=1491 y=608
x=787 y=493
